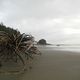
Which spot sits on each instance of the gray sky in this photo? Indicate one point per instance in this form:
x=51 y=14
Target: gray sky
x=58 y=21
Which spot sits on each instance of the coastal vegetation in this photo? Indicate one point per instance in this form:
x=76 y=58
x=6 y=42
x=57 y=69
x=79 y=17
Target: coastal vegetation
x=42 y=42
x=14 y=45
x=8 y=30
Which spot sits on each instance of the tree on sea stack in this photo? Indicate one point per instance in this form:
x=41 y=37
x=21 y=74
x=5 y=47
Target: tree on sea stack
x=42 y=42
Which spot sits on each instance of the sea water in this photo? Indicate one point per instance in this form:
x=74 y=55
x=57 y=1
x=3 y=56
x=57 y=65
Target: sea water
x=72 y=48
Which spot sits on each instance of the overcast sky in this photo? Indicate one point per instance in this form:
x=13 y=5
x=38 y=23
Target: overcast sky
x=58 y=21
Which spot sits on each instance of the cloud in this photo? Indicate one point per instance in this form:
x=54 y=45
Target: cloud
x=54 y=20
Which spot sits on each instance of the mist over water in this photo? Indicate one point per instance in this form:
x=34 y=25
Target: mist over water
x=62 y=47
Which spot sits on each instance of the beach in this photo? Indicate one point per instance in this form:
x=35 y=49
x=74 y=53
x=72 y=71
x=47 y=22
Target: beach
x=55 y=65
x=51 y=65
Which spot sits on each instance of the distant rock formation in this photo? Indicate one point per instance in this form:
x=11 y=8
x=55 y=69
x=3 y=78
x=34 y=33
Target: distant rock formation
x=42 y=42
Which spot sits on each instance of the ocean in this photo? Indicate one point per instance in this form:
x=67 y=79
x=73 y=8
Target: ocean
x=72 y=48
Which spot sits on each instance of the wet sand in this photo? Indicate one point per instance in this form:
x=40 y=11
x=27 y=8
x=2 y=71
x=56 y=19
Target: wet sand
x=54 y=65
x=51 y=65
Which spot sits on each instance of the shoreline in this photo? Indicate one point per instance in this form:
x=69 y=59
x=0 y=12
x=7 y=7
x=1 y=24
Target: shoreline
x=55 y=65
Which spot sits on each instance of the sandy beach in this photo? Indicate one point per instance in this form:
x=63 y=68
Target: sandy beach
x=54 y=65
x=51 y=65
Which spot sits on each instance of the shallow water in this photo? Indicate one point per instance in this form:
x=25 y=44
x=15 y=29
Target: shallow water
x=61 y=48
